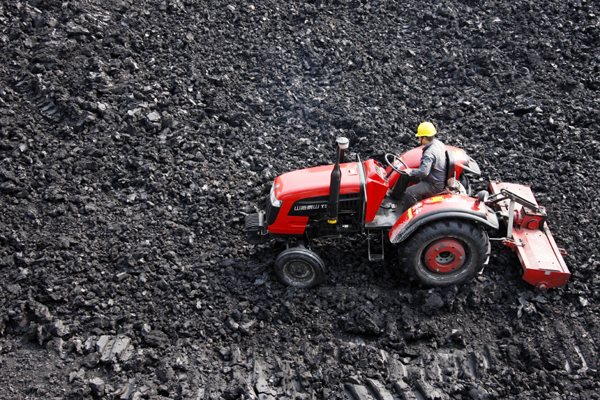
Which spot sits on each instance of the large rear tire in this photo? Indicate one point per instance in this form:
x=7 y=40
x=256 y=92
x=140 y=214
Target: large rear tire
x=300 y=267
x=446 y=252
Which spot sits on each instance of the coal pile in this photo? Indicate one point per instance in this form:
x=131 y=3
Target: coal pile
x=135 y=136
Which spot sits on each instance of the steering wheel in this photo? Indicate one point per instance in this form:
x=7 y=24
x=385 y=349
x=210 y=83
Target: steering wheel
x=391 y=160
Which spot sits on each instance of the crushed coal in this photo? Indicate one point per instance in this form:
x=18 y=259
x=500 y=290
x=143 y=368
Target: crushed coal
x=135 y=136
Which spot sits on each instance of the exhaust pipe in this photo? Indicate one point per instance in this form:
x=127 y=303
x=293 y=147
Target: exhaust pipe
x=334 y=185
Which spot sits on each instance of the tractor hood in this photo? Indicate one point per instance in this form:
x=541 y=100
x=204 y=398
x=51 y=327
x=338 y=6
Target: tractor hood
x=315 y=181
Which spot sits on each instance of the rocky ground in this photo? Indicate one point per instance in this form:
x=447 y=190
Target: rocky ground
x=135 y=135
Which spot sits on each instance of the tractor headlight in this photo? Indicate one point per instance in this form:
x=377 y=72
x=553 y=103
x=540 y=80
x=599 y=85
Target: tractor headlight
x=274 y=201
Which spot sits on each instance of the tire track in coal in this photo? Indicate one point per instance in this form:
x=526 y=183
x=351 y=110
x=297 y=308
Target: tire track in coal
x=261 y=382
x=428 y=376
x=588 y=346
x=41 y=98
x=255 y=375
x=424 y=377
x=573 y=345
x=271 y=376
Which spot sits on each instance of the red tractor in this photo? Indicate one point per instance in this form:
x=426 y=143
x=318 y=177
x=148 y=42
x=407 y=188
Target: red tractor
x=442 y=240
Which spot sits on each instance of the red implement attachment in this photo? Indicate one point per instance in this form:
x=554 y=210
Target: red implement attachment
x=528 y=235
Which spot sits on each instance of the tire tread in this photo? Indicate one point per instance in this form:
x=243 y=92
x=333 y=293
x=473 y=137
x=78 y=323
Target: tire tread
x=306 y=255
x=470 y=233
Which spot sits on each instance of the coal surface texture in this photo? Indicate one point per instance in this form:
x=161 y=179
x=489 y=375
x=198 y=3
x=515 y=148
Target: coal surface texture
x=135 y=136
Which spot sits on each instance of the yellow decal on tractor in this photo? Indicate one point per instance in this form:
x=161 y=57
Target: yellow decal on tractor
x=435 y=199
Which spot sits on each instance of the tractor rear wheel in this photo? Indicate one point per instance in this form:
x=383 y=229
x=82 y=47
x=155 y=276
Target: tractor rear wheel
x=446 y=252
x=299 y=267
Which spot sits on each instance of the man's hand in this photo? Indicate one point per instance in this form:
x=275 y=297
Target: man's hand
x=407 y=170
x=401 y=167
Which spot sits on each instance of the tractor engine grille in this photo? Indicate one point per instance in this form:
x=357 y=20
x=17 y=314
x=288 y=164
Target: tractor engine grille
x=349 y=203
x=316 y=207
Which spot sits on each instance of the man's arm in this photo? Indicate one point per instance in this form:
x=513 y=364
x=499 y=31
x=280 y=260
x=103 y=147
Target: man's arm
x=424 y=168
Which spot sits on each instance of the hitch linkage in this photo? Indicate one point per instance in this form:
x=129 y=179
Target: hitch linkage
x=514 y=198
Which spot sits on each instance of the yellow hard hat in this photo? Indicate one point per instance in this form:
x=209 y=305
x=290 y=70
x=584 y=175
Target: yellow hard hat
x=426 y=129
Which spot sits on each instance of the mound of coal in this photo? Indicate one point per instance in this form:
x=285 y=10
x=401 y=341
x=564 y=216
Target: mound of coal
x=135 y=135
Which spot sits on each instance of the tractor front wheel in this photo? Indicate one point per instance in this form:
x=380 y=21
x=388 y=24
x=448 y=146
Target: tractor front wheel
x=300 y=267
x=446 y=252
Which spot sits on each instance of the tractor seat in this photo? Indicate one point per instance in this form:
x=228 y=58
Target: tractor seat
x=453 y=185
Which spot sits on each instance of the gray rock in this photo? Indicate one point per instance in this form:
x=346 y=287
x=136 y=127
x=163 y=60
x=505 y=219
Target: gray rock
x=126 y=392
x=157 y=338
x=165 y=373
x=114 y=349
x=430 y=392
x=59 y=329
x=91 y=360
x=433 y=303
x=262 y=385
x=41 y=311
x=75 y=29
x=97 y=385
x=153 y=116
x=77 y=375
x=478 y=393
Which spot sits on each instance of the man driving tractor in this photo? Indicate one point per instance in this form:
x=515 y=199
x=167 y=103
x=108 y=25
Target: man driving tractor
x=431 y=174
x=443 y=242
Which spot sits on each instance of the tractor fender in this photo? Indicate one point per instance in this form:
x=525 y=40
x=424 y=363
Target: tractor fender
x=446 y=206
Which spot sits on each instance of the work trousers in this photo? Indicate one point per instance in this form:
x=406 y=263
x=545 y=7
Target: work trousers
x=418 y=192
